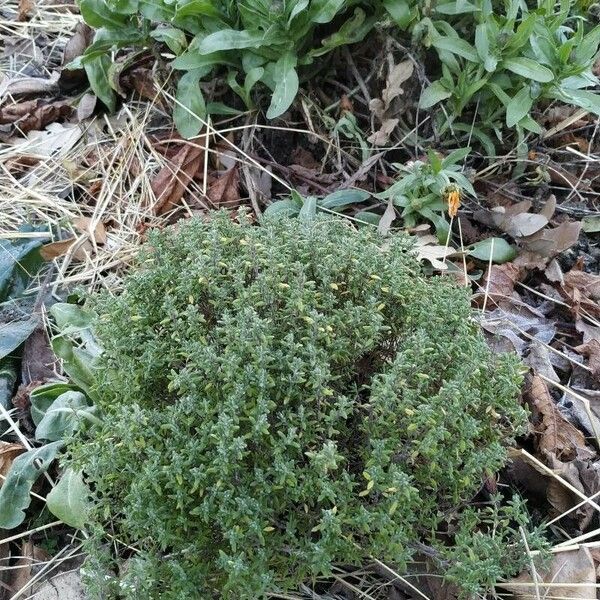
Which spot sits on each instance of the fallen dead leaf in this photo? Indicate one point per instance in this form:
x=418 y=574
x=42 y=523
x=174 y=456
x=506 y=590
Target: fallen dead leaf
x=21 y=573
x=225 y=190
x=55 y=140
x=500 y=280
x=554 y=433
x=55 y=249
x=382 y=136
x=84 y=224
x=540 y=360
x=428 y=249
x=591 y=350
x=86 y=107
x=582 y=290
x=550 y=242
x=25 y=9
x=569 y=575
x=77 y=44
x=34 y=114
x=173 y=179
x=8 y=453
x=29 y=85
x=385 y=223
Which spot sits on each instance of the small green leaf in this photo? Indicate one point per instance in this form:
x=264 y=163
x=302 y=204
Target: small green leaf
x=282 y=208
x=286 y=85
x=19 y=261
x=400 y=11
x=231 y=39
x=69 y=499
x=323 y=11
x=433 y=94
x=519 y=106
x=71 y=315
x=189 y=112
x=344 y=198
x=78 y=363
x=15 y=491
x=366 y=217
x=456 y=156
x=43 y=396
x=530 y=69
x=498 y=249
x=64 y=416
x=456 y=46
x=96 y=13
x=309 y=209
x=171 y=36
x=97 y=73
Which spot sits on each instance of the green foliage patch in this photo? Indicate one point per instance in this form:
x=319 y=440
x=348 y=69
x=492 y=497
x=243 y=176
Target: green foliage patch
x=279 y=399
x=497 y=59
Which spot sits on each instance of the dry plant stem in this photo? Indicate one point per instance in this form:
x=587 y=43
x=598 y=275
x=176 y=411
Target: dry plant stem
x=534 y=573
x=570 y=510
x=19 y=536
x=398 y=578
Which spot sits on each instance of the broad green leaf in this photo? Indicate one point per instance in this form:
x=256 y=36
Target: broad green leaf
x=189 y=111
x=71 y=316
x=530 y=69
x=231 y=39
x=456 y=156
x=343 y=198
x=456 y=8
x=157 y=12
x=498 y=249
x=171 y=36
x=583 y=98
x=282 y=208
x=204 y=8
x=69 y=500
x=323 y=11
x=64 y=416
x=519 y=106
x=456 y=46
x=475 y=132
x=125 y=7
x=97 y=13
x=400 y=11
x=43 y=396
x=192 y=59
x=15 y=491
x=14 y=333
x=19 y=262
x=309 y=209
x=352 y=31
x=366 y=217
x=79 y=364
x=97 y=74
x=298 y=8
x=433 y=94
x=286 y=85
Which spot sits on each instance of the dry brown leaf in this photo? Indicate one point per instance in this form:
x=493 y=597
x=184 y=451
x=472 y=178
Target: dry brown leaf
x=75 y=47
x=551 y=242
x=591 y=350
x=86 y=107
x=522 y=225
x=500 y=280
x=539 y=359
x=589 y=331
x=21 y=574
x=34 y=114
x=173 y=179
x=385 y=223
x=569 y=575
x=8 y=453
x=396 y=77
x=225 y=190
x=25 y=9
x=55 y=249
x=29 y=85
x=582 y=290
x=83 y=224
x=429 y=249
x=555 y=434
x=382 y=136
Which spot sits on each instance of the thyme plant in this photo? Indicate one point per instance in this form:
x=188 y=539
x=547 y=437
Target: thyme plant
x=283 y=398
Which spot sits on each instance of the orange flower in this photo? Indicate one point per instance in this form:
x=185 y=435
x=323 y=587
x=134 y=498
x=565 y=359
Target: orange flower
x=452 y=194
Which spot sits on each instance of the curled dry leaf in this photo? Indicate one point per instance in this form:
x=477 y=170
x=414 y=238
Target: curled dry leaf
x=500 y=280
x=62 y=247
x=550 y=242
x=8 y=453
x=84 y=225
x=582 y=291
x=173 y=179
x=554 y=433
x=25 y=9
x=385 y=223
x=591 y=350
x=22 y=573
x=225 y=190
x=29 y=85
x=34 y=114
x=569 y=575
x=428 y=249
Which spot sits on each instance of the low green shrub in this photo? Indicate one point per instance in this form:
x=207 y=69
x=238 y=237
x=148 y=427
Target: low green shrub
x=281 y=398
